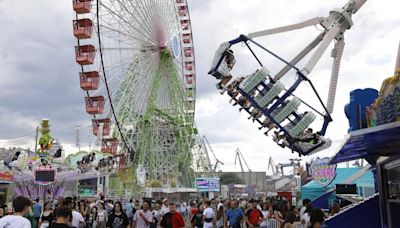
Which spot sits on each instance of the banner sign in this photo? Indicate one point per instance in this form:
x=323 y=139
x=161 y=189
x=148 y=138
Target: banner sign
x=322 y=172
x=207 y=184
x=6 y=176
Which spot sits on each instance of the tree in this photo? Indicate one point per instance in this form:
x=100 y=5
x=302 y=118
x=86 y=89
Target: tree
x=230 y=178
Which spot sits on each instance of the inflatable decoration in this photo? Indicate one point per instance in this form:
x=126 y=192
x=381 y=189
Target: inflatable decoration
x=45 y=142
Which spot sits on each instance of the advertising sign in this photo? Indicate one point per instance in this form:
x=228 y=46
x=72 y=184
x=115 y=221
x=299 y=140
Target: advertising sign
x=207 y=184
x=322 y=172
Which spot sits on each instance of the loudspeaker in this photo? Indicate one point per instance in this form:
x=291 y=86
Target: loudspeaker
x=346 y=189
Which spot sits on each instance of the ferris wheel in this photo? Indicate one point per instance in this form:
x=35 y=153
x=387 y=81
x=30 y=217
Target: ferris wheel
x=138 y=73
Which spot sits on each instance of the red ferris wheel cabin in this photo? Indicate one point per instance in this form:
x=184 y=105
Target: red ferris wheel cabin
x=83 y=28
x=106 y=126
x=85 y=54
x=89 y=80
x=109 y=145
x=94 y=105
x=82 y=6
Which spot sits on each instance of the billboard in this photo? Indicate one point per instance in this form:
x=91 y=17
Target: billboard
x=207 y=184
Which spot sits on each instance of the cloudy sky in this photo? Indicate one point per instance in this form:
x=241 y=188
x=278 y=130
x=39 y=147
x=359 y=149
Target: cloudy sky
x=39 y=77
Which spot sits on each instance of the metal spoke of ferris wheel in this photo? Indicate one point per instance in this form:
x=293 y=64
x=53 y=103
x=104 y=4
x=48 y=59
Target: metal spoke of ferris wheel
x=140 y=53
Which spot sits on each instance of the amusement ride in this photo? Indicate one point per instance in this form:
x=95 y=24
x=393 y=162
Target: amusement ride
x=137 y=71
x=264 y=94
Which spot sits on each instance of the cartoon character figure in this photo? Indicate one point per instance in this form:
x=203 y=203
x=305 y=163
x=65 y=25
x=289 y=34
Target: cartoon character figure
x=45 y=140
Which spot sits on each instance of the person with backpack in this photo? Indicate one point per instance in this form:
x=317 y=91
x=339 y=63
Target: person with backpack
x=254 y=216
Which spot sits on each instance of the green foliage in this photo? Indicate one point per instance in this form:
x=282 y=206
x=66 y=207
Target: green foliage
x=173 y=184
x=230 y=178
x=155 y=184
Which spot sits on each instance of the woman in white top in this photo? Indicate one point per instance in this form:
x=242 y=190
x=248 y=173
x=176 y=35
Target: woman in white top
x=208 y=215
x=101 y=218
x=265 y=213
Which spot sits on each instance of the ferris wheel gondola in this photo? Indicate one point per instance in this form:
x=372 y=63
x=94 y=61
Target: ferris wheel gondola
x=266 y=98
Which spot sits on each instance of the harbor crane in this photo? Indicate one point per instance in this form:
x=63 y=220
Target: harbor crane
x=207 y=148
x=239 y=156
x=278 y=169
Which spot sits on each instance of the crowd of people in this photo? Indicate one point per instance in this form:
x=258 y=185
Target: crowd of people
x=150 y=213
x=265 y=213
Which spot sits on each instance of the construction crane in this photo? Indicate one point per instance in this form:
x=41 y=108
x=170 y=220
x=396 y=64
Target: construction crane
x=278 y=169
x=206 y=145
x=239 y=156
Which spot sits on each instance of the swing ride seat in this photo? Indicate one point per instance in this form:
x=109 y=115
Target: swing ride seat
x=287 y=110
x=270 y=95
x=277 y=103
x=307 y=148
x=252 y=81
x=219 y=68
x=302 y=125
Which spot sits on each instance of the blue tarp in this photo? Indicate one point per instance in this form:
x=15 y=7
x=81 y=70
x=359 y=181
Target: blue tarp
x=313 y=190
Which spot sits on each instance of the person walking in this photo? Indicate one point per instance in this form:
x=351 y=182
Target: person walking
x=21 y=206
x=130 y=211
x=63 y=217
x=254 y=216
x=144 y=217
x=77 y=219
x=197 y=218
x=117 y=218
x=172 y=219
x=208 y=215
x=100 y=215
x=37 y=210
x=234 y=215
x=156 y=216
x=47 y=216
